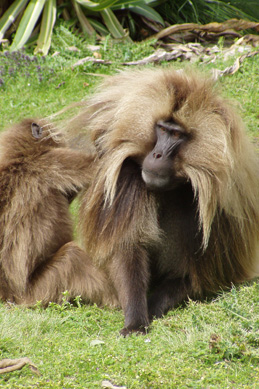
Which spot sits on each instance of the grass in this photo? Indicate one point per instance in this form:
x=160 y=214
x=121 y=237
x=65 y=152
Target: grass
x=211 y=344
x=32 y=85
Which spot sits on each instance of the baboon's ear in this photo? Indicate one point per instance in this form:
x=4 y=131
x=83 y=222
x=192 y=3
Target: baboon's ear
x=36 y=130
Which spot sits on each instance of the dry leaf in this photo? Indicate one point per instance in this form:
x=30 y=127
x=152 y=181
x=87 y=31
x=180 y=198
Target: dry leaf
x=73 y=48
x=234 y=68
x=97 y=55
x=96 y=342
x=9 y=365
x=109 y=385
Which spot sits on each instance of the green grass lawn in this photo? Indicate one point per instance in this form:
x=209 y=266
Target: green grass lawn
x=210 y=344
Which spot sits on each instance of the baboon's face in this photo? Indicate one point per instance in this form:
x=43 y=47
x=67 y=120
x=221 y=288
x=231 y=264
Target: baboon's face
x=158 y=168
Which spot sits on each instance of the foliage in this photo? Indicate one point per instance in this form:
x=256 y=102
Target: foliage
x=19 y=63
x=32 y=21
x=205 y=11
x=84 y=11
x=32 y=85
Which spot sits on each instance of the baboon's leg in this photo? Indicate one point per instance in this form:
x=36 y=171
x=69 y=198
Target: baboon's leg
x=70 y=269
x=130 y=275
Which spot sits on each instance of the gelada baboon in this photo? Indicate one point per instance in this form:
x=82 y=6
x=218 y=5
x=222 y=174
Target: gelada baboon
x=173 y=208
x=38 y=177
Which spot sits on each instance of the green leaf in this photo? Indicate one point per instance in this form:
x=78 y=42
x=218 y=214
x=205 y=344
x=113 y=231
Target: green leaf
x=113 y=24
x=148 y=13
x=85 y=24
x=47 y=24
x=124 y=4
x=27 y=23
x=156 y=3
x=10 y=15
x=98 y=27
x=96 y=7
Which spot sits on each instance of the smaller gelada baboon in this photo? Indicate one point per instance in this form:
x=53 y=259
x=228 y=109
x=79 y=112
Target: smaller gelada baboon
x=38 y=177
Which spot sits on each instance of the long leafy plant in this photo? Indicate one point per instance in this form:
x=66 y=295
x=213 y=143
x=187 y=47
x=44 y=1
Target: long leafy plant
x=40 y=15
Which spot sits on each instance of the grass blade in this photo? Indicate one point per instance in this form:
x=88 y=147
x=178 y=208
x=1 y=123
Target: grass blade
x=27 y=23
x=47 y=24
x=10 y=15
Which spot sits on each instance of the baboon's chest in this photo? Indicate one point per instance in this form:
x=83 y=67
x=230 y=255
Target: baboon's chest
x=177 y=218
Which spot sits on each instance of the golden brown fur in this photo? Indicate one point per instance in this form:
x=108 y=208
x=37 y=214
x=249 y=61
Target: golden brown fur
x=158 y=248
x=38 y=176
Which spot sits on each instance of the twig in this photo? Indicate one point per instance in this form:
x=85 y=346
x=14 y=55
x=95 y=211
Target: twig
x=91 y=59
x=177 y=51
x=231 y=24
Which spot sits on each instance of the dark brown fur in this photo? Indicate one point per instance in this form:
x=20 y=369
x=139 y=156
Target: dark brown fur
x=38 y=176
x=158 y=248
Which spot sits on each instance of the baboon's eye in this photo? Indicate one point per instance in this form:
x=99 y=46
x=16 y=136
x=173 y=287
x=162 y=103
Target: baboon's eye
x=171 y=129
x=36 y=130
x=176 y=134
